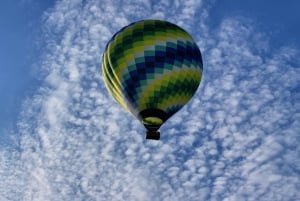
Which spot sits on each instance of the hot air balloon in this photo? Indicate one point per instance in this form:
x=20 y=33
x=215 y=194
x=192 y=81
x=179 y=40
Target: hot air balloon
x=152 y=68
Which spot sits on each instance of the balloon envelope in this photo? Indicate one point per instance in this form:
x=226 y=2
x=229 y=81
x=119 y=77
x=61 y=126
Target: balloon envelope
x=152 y=68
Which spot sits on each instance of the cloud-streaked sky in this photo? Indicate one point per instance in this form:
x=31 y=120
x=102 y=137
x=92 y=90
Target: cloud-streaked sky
x=238 y=138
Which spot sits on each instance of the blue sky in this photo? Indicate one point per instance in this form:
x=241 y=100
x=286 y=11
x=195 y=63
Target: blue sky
x=20 y=27
x=63 y=138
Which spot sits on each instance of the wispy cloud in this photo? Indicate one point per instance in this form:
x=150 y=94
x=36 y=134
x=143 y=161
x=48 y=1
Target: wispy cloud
x=236 y=140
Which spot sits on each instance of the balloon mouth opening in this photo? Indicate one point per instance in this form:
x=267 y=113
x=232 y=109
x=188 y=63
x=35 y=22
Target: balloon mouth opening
x=152 y=117
x=152 y=121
